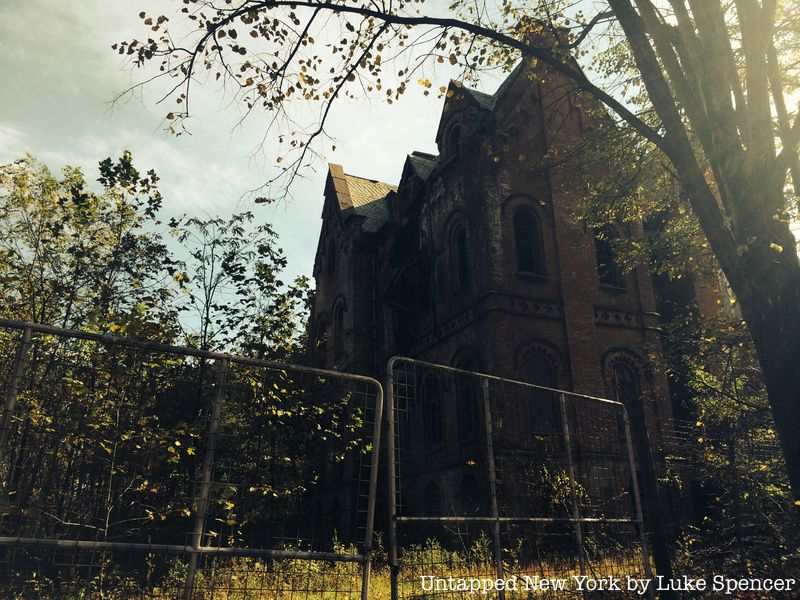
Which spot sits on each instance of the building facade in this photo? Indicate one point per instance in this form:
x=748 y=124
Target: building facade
x=475 y=259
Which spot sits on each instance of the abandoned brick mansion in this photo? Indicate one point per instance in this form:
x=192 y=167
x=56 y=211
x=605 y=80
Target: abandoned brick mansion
x=476 y=260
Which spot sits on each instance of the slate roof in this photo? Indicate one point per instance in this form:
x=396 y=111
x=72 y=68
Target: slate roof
x=362 y=197
x=489 y=101
x=369 y=201
x=423 y=164
x=485 y=101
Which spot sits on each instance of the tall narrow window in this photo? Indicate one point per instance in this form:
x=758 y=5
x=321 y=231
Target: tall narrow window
x=338 y=327
x=331 y=258
x=469 y=402
x=545 y=405
x=607 y=268
x=626 y=387
x=454 y=141
x=528 y=243
x=460 y=258
x=432 y=413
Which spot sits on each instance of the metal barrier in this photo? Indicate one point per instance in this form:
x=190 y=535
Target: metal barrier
x=495 y=479
x=138 y=469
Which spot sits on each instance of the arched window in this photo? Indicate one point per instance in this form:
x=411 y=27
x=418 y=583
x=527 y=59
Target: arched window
x=607 y=268
x=545 y=405
x=331 y=258
x=454 y=141
x=459 y=253
x=432 y=413
x=626 y=384
x=338 y=331
x=469 y=402
x=626 y=388
x=528 y=243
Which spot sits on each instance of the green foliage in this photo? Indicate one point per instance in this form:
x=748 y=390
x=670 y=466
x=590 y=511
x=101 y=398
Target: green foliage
x=76 y=258
x=107 y=441
x=232 y=281
x=747 y=515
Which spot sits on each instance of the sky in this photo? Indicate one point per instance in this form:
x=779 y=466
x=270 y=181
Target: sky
x=58 y=76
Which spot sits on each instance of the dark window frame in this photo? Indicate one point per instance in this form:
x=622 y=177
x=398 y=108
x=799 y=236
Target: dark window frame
x=468 y=402
x=330 y=265
x=545 y=417
x=460 y=258
x=454 y=140
x=608 y=270
x=528 y=243
x=625 y=392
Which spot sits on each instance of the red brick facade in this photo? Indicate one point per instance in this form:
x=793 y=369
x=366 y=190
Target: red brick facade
x=476 y=258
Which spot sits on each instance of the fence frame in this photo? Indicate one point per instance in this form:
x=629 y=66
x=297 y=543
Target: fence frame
x=223 y=362
x=495 y=519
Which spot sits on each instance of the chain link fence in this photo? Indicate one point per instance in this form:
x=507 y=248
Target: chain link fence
x=492 y=478
x=131 y=469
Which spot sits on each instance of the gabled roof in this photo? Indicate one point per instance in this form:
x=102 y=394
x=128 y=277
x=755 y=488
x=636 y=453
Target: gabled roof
x=361 y=197
x=484 y=101
x=422 y=163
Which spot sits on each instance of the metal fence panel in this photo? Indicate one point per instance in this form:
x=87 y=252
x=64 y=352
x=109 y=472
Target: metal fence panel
x=495 y=478
x=132 y=469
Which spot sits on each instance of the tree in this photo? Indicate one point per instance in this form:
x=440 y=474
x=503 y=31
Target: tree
x=713 y=77
x=741 y=493
x=79 y=259
x=232 y=281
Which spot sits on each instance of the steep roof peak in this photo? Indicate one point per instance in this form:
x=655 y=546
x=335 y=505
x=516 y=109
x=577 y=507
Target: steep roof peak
x=362 y=197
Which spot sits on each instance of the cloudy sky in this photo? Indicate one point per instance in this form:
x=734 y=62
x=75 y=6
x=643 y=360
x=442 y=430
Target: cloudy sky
x=59 y=76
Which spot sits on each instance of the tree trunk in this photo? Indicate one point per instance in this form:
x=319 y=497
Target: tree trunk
x=771 y=308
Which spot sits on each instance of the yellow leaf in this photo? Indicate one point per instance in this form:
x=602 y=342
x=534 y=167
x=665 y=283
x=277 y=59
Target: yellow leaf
x=777 y=247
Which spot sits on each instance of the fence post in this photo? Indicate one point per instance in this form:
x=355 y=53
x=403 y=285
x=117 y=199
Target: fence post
x=637 y=499
x=12 y=390
x=576 y=512
x=373 y=491
x=391 y=457
x=492 y=474
x=208 y=468
x=662 y=553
